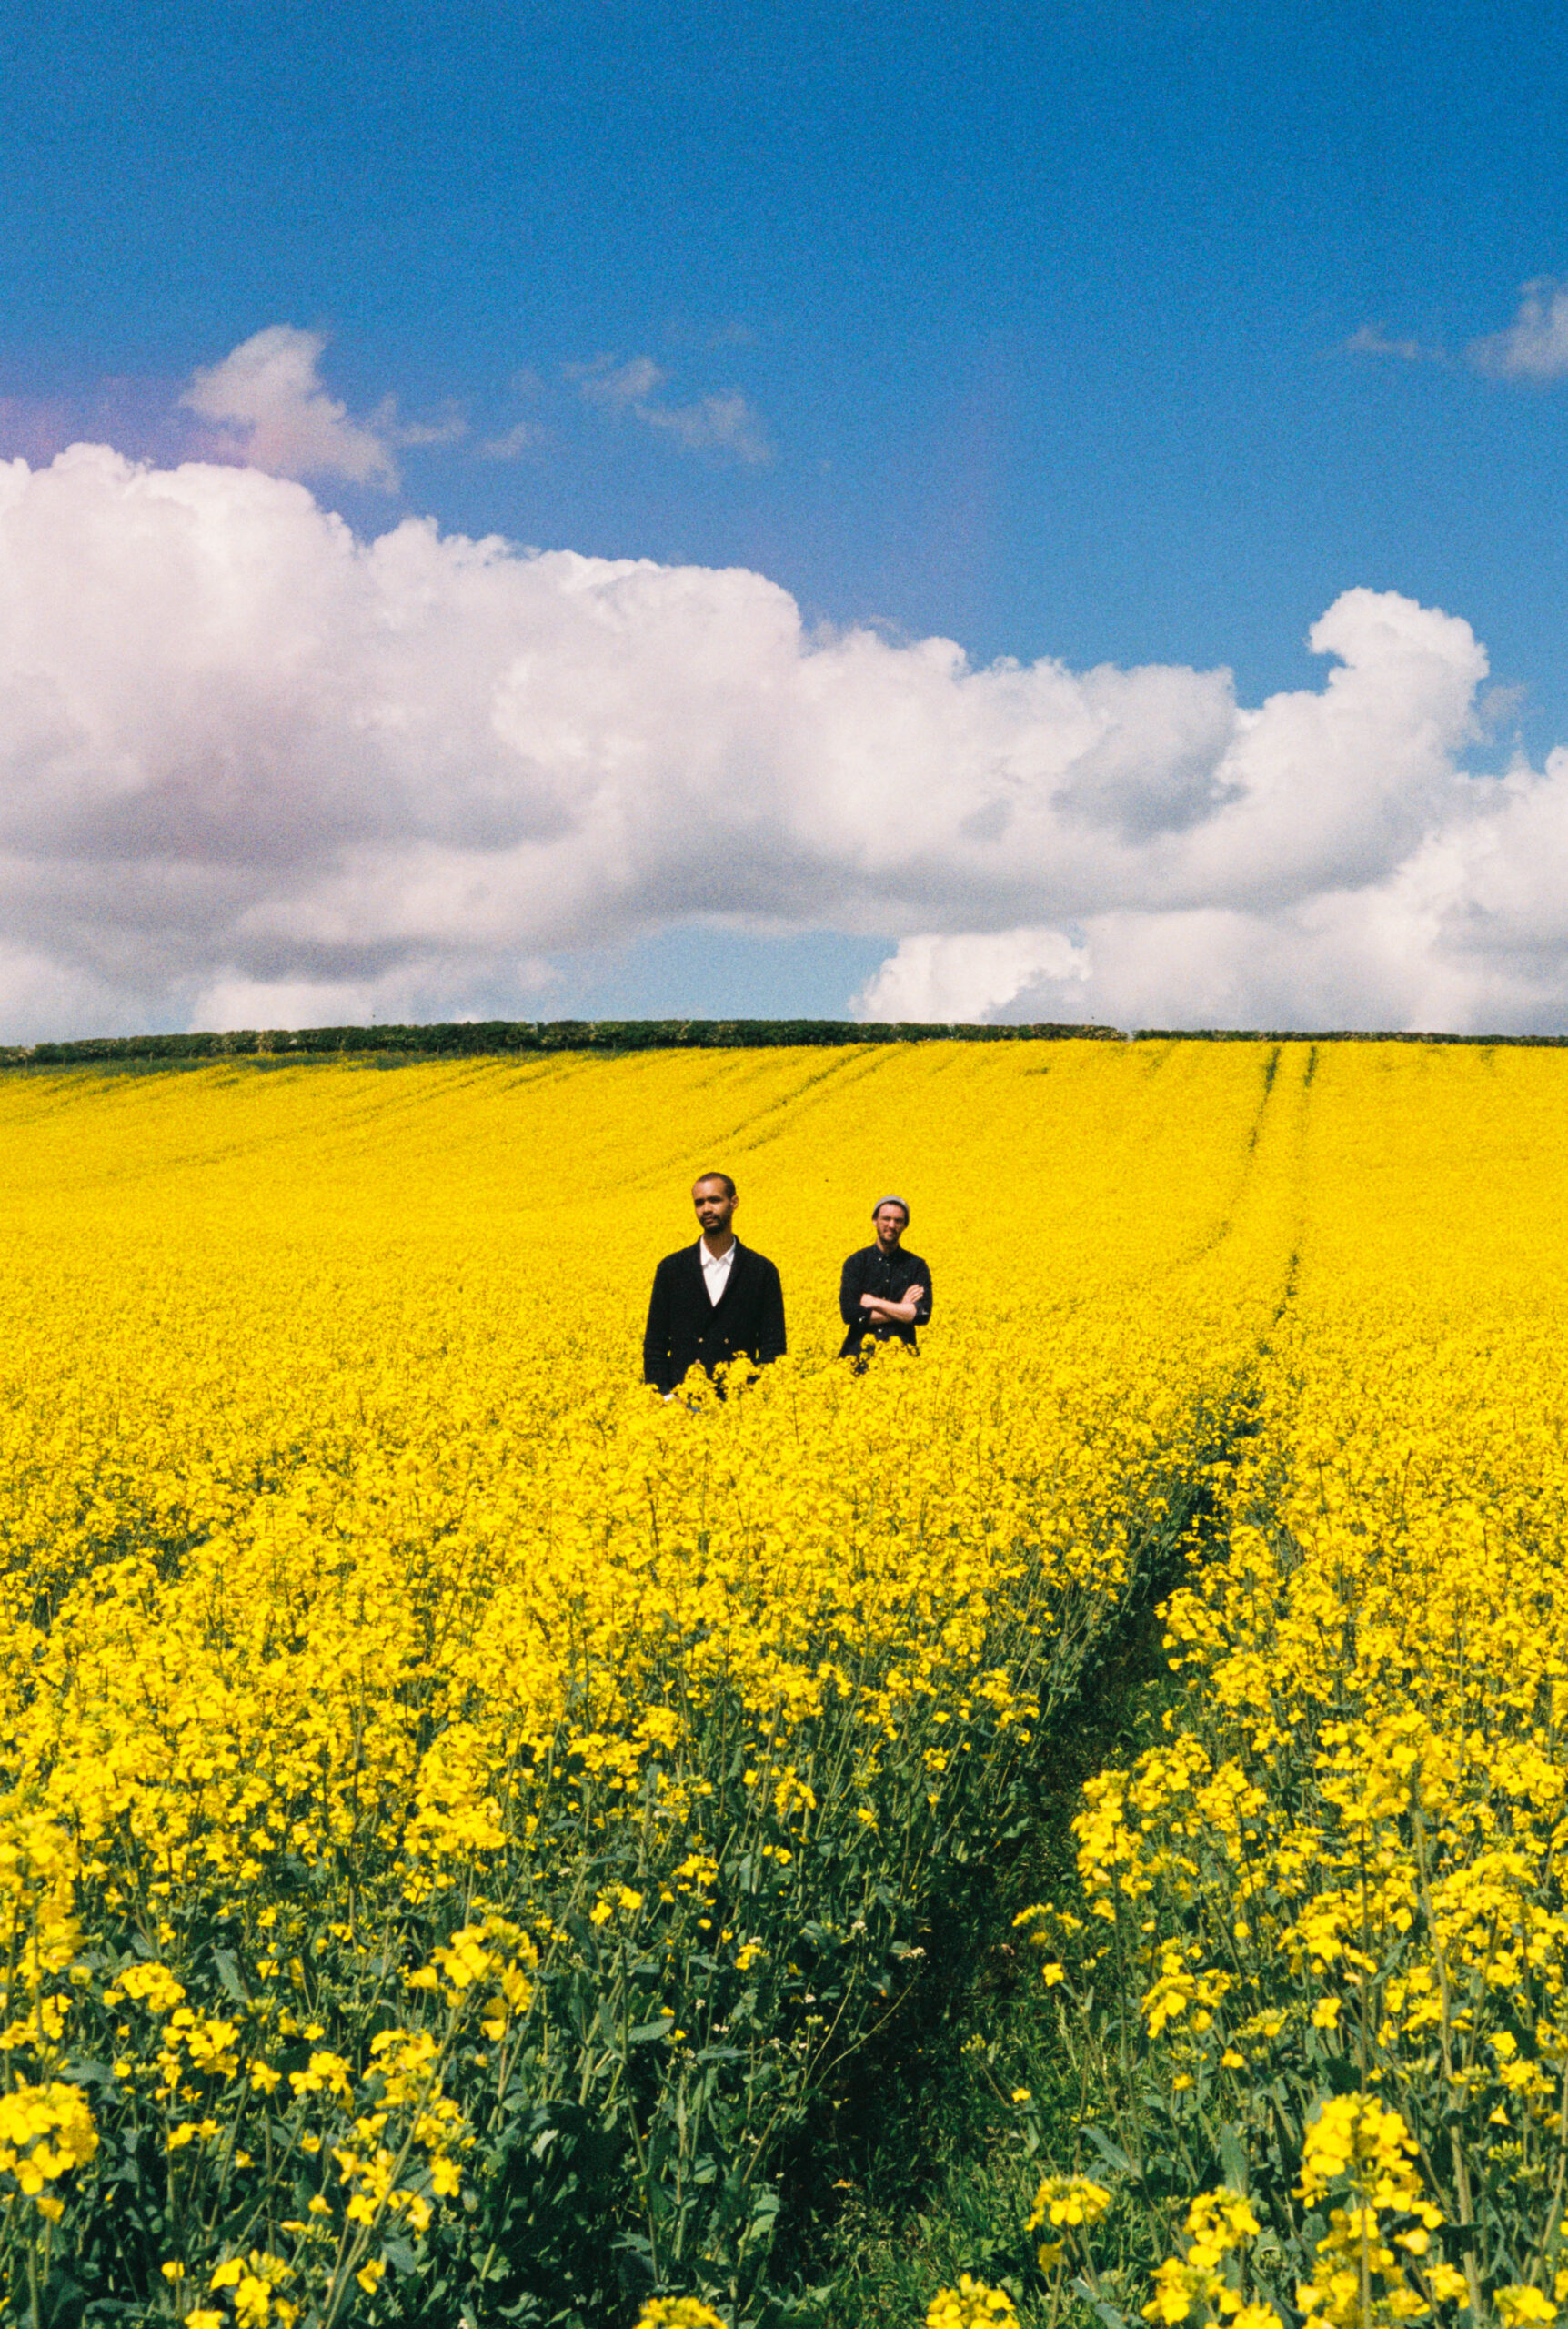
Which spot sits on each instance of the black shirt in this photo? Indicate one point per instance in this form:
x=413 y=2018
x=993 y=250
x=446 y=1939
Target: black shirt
x=871 y=1271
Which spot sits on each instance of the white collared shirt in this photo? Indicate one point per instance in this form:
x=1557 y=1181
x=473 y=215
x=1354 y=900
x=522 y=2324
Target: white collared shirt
x=715 y=1273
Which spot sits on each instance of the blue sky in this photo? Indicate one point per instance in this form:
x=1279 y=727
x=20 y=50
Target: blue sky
x=1028 y=327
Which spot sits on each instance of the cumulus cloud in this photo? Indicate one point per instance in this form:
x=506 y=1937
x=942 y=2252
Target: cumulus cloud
x=722 y=424
x=987 y=971
x=1535 y=345
x=268 y=402
x=256 y=770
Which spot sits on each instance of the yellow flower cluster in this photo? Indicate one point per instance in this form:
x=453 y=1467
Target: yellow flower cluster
x=1067 y=2199
x=679 y=2312
x=972 y=2305
x=1069 y=2204
x=45 y=2133
x=1357 y=2145
x=1201 y=2283
x=448 y=1796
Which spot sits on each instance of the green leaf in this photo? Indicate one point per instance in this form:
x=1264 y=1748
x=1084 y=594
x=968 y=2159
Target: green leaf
x=1113 y=2153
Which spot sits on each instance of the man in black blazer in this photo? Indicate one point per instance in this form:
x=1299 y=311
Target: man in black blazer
x=712 y=1300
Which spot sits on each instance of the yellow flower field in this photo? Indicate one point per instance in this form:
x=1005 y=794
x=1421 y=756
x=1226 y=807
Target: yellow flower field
x=461 y=1814
x=1334 y=1889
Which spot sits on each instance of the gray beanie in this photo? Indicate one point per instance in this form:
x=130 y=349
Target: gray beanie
x=877 y=1208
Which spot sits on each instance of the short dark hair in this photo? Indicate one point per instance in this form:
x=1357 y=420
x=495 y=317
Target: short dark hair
x=728 y=1184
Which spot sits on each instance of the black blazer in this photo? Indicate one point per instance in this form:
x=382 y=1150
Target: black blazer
x=685 y=1329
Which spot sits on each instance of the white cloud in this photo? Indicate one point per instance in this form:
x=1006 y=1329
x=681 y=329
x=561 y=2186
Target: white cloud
x=720 y=424
x=1535 y=345
x=512 y=443
x=254 y=769
x=973 y=977
x=1372 y=339
x=269 y=390
x=608 y=383
x=723 y=424
x=449 y=429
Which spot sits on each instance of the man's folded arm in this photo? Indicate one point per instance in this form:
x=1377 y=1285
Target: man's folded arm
x=923 y=1307
x=850 y=1293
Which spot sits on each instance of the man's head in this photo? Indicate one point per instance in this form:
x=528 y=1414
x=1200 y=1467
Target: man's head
x=713 y=1195
x=891 y=1219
